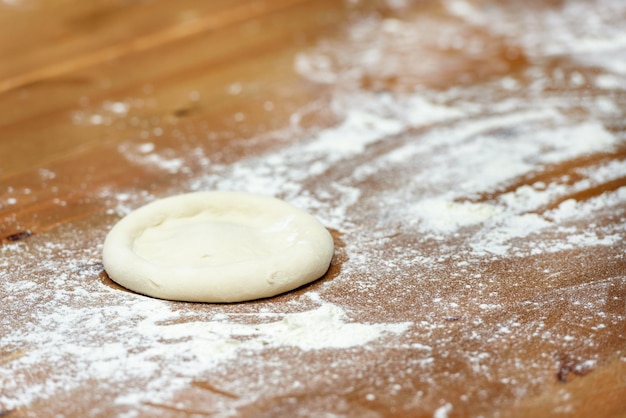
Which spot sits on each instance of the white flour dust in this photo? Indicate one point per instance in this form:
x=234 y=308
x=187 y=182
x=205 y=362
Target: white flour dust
x=146 y=340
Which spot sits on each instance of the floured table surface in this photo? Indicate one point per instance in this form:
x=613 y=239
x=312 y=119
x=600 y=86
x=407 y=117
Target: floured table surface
x=469 y=159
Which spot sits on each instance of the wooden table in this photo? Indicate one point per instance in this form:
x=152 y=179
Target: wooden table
x=469 y=159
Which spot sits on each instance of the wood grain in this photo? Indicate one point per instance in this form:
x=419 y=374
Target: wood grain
x=106 y=105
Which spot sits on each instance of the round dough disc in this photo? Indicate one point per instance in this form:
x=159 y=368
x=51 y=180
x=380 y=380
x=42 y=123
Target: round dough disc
x=216 y=247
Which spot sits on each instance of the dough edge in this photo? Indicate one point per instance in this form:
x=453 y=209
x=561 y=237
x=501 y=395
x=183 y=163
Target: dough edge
x=307 y=260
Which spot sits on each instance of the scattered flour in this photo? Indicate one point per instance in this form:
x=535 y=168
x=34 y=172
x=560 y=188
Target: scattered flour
x=148 y=340
x=144 y=154
x=357 y=131
x=447 y=216
x=443 y=411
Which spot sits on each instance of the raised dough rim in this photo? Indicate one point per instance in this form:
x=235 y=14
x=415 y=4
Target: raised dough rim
x=307 y=260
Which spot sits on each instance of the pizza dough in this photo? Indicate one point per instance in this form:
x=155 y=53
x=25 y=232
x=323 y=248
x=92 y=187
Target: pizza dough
x=216 y=247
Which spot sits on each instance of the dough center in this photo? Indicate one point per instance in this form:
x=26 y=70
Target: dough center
x=209 y=240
